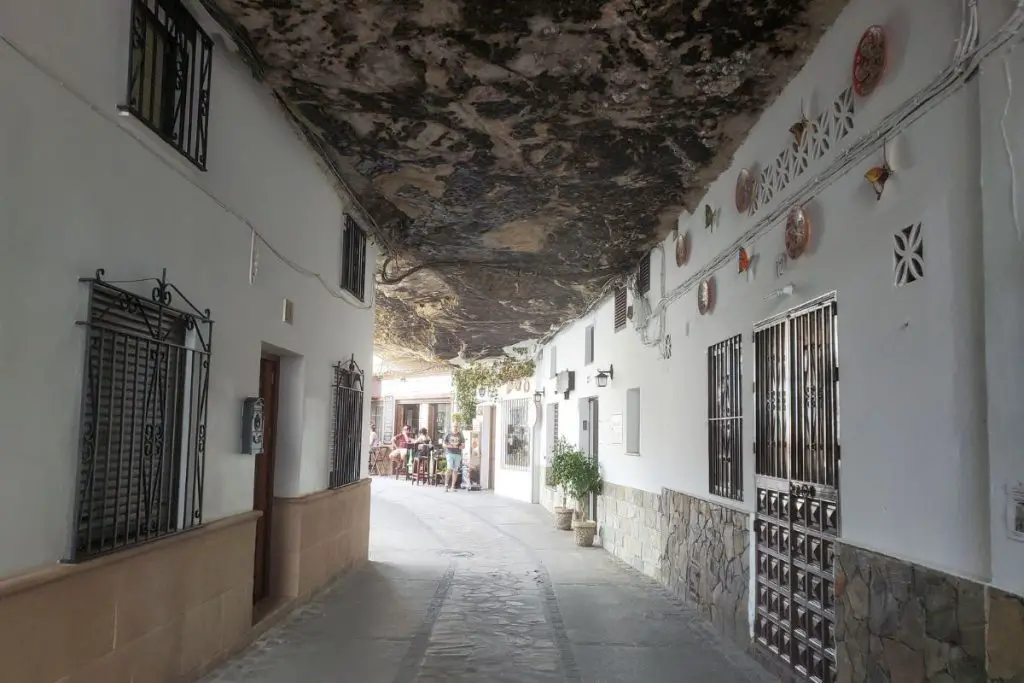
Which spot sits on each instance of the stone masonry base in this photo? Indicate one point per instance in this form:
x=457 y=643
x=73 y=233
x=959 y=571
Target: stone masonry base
x=629 y=527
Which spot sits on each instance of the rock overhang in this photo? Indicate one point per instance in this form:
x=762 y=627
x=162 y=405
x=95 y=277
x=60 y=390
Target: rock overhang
x=519 y=156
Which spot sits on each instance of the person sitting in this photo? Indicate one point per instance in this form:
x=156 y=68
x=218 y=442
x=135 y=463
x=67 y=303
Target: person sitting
x=400 y=444
x=423 y=444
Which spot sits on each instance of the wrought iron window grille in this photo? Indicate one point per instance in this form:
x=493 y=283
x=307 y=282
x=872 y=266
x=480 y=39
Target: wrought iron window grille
x=353 y=259
x=516 y=454
x=142 y=445
x=346 y=423
x=170 y=64
x=725 y=418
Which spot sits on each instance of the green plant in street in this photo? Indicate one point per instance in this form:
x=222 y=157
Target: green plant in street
x=576 y=473
x=489 y=375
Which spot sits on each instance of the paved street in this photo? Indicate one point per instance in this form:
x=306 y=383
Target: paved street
x=466 y=587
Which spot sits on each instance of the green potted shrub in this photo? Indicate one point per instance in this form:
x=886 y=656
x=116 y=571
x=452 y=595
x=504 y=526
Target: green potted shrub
x=582 y=477
x=561 y=454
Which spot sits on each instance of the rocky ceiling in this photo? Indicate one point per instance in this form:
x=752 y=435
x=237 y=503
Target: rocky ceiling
x=518 y=155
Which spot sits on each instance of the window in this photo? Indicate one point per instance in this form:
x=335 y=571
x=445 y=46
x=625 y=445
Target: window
x=588 y=351
x=377 y=417
x=643 y=274
x=554 y=422
x=725 y=419
x=440 y=420
x=620 y=308
x=143 y=430
x=353 y=259
x=554 y=361
x=346 y=436
x=169 y=67
x=387 y=430
x=633 y=421
x=517 y=443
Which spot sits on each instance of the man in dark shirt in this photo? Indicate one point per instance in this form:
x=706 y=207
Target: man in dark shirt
x=453 y=456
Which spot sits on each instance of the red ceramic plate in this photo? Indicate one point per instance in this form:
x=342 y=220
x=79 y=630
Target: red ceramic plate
x=744 y=191
x=869 y=61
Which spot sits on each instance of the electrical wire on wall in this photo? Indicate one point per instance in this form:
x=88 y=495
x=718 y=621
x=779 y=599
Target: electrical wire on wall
x=111 y=118
x=967 y=60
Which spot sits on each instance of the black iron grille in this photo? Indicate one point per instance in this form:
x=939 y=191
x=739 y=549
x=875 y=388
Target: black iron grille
x=144 y=407
x=346 y=424
x=620 y=308
x=353 y=259
x=725 y=419
x=517 y=440
x=169 y=71
x=797 y=475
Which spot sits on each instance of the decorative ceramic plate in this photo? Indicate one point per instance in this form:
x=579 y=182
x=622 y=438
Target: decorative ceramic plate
x=869 y=61
x=744 y=190
x=683 y=248
x=705 y=296
x=798 y=233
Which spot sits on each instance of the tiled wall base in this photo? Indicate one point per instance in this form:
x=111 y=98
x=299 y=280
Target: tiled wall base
x=629 y=527
x=161 y=612
x=706 y=560
x=317 y=538
x=897 y=622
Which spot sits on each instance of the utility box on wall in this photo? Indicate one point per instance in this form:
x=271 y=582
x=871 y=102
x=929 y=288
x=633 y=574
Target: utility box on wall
x=252 y=426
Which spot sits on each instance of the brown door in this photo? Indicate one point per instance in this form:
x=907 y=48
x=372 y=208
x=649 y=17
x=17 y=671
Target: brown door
x=490 y=417
x=263 y=486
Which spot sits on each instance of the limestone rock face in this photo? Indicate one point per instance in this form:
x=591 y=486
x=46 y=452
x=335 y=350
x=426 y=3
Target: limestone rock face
x=528 y=151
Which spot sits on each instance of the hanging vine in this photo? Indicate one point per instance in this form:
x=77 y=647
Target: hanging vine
x=466 y=380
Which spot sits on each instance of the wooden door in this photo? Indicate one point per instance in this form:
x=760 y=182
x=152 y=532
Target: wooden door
x=490 y=416
x=263 y=484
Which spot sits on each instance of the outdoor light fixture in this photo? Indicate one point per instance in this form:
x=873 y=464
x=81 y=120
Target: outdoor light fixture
x=538 y=396
x=604 y=375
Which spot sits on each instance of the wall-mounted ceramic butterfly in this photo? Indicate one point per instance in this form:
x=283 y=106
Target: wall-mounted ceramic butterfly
x=798 y=130
x=878 y=176
x=744 y=260
x=711 y=217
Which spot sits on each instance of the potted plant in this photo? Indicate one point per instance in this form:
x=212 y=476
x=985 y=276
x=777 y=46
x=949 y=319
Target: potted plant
x=581 y=477
x=561 y=454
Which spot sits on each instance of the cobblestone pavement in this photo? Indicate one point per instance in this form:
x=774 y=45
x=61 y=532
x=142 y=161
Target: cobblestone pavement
x=467 y=587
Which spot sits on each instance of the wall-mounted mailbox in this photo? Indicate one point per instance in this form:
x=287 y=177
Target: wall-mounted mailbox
x=565 y=383
x=252 y=426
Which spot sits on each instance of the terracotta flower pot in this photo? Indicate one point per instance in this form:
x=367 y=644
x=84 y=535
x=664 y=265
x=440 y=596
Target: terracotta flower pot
x=584 y=531
x=563 y=518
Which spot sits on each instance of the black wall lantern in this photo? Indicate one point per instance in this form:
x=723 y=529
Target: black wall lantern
x=604 y=375
x=538 y=397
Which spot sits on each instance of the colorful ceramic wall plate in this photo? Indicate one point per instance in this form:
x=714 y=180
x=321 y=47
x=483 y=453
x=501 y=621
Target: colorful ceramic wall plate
x=683 y=248
x=798 y=233
x=869 y=61
x=705 y=296
x=744 y=191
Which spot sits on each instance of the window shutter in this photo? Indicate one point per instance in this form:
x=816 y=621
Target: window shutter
x=620 y=308
x=643 y=276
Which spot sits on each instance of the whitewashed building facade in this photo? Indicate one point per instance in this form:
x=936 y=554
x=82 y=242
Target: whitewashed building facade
x=824 y=454
x=170 y=247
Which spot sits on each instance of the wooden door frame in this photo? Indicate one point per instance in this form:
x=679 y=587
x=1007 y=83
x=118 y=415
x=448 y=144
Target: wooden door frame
x=262 y=552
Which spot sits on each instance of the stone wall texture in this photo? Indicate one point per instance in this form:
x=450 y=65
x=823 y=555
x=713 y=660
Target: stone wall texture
x=705 y=560
x=901 y=623
x=629 y=527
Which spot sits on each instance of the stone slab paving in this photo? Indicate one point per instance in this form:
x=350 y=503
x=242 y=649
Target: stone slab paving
x=469 y=588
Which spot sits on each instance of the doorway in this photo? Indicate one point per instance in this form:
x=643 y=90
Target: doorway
x=589 y=438
x=263 y=483
x=408 y=414
x=489 y=417
x=796 y=451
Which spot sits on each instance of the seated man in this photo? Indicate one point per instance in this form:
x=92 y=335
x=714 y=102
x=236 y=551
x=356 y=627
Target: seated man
x=400 y=443
x=422 y=443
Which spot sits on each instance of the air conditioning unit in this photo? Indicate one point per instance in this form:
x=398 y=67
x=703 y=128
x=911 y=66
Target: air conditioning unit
x=481 y=394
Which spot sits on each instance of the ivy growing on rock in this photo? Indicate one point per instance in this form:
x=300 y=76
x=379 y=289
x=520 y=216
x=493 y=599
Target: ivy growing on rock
x=488 y=375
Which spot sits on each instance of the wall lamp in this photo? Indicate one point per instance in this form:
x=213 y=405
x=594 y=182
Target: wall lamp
x=538 y=397
x=604 y=375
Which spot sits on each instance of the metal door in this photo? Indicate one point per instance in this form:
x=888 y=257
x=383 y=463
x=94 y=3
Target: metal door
x=797 y=478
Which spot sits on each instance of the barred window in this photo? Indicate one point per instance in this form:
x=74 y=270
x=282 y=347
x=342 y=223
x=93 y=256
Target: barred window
x=169 y=68
x=620 y=308
x=517 y=441
x=725 y=419
x=346 y=424
x=353 y=259
x=144 y=407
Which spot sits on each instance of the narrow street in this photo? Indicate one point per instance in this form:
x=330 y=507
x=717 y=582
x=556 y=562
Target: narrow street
x=471 y=587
